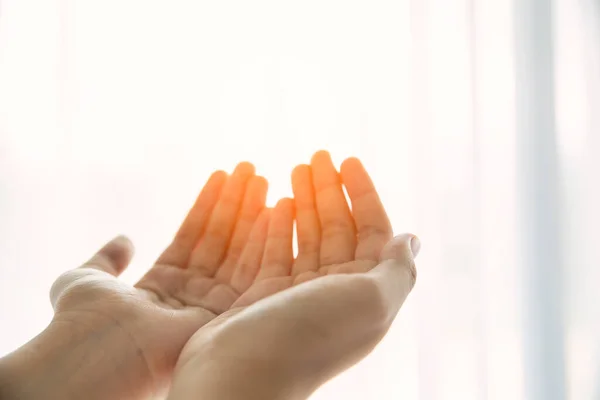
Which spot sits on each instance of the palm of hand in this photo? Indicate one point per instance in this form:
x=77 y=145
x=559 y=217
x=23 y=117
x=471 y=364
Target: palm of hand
x=259 y=261
x=333 y=241
x=230 y=252
x=212 y=259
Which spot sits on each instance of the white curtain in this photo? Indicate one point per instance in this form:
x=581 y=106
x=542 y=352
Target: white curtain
x=479 y=120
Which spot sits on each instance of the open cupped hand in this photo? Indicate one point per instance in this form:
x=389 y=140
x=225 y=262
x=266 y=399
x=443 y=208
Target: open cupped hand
x=304 y=319
x=138 y=332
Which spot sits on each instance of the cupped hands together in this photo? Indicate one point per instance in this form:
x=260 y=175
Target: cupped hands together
x=227 y=311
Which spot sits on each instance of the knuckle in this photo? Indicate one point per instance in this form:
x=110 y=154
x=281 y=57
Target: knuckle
x=231 y=198
x=334 y=227
x=372 y=230
x=234 y=253
x=219 y=234
x=307 y=245
x=250 y=212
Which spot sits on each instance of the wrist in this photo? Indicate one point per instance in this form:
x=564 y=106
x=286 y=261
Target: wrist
x=217 y=371
x=215 y=380
x=28 y=371
x=68 y=362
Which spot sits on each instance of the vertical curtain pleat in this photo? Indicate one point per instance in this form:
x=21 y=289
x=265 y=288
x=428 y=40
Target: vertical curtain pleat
x=539 y=208
x=592 y=10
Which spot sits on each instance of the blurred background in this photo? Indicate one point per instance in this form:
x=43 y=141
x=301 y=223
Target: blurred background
x=479 y=120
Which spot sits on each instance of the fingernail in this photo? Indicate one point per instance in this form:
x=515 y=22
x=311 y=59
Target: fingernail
x=415 y=246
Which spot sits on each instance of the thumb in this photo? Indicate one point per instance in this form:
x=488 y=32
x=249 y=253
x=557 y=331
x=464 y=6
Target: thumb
x=113 y=257
x=404 y=246
x=396 y=272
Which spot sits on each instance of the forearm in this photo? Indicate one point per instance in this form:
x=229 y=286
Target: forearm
x=235 y=381
x=61 y=363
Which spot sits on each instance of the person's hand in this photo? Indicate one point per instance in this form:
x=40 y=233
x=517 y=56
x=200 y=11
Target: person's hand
x=110 y=340
x=336 y=300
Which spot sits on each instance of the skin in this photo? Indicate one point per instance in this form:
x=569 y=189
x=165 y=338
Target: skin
x=111 y=340
x=228 y=279
x=331 y=305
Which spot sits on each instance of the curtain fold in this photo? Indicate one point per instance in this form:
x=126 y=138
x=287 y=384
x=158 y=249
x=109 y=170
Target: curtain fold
x=539 y=214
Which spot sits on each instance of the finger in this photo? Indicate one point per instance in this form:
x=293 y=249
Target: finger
x=251 y=257
x=372 y=223
x=338 y=238
x=307 y=220
x=195 y=222
x=279 y=255
x=254 y=203
x=113 y=258
x=396 y=274
x=213 y=244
